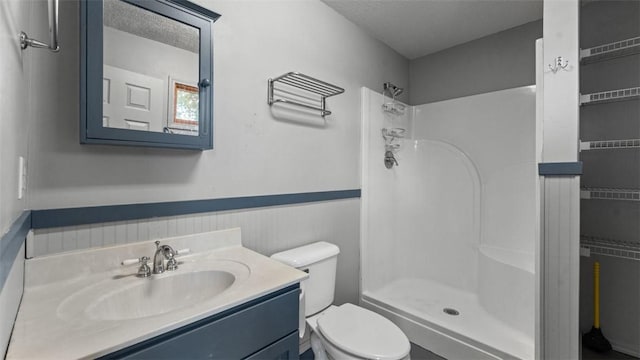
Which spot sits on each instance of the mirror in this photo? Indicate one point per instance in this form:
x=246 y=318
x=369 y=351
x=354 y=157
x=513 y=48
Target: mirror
x=147 y=73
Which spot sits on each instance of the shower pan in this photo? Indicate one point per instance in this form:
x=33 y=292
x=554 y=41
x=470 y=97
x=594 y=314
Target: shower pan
x=448 y=238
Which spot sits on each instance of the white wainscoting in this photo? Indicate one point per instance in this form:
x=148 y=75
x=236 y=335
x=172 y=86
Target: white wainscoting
x=266 y=230
x=10 y=296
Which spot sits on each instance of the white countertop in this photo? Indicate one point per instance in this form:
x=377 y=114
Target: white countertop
x=53 y=322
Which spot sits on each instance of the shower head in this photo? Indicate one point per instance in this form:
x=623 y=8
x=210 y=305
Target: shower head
x=393 y=89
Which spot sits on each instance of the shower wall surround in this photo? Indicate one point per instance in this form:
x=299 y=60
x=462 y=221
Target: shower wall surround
x=462 y=210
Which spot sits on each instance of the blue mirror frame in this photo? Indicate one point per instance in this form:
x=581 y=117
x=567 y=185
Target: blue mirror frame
x=91 y=74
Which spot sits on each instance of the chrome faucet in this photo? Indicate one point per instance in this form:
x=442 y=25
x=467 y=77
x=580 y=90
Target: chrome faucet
x=164 y=252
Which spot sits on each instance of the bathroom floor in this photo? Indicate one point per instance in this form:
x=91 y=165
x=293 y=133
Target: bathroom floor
x=588 y=354
x=418 y=353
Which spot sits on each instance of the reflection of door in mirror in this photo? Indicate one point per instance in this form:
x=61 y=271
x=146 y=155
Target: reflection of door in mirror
x=144 y=54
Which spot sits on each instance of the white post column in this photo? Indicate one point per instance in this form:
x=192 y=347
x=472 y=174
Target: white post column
x=560 y=183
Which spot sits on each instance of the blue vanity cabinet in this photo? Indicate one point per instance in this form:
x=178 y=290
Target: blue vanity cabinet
x=265 y=328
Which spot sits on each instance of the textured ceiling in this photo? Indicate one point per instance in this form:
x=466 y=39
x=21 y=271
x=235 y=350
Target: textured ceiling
x=137 y=21
x=415 y=28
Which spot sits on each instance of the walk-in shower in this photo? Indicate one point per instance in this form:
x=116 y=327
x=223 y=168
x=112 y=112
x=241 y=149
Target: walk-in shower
x=448 y=237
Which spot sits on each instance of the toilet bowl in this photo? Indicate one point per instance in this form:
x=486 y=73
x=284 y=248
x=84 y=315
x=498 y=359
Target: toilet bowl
x=350 y=332
x=340 y=332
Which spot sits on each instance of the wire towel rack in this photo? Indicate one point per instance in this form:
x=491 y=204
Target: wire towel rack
x=320 y=89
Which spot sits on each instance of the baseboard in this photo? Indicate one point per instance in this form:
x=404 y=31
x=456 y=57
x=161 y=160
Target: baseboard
x=626 y=349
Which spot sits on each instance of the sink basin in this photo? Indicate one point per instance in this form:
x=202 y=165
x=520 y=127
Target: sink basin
x=160 y=295
x=194 y=287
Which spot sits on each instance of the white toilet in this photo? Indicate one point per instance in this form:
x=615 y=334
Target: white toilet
x=346 y=331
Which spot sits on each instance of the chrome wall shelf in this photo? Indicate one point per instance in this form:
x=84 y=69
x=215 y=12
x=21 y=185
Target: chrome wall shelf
x=610 y=51
x=610 y=194
x=610 y=96
x=609 y=144
x=609 y=247
x=313 y=90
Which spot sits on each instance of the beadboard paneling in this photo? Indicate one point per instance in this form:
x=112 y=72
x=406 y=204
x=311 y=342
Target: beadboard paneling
x=265 y=230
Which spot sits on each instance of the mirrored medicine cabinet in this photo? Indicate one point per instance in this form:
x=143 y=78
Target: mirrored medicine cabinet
x=146 y=73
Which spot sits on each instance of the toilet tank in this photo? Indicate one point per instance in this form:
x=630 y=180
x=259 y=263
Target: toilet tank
x=319 y=260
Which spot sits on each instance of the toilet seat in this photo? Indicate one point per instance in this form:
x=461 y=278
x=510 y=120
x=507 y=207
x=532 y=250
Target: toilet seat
x=363 y=333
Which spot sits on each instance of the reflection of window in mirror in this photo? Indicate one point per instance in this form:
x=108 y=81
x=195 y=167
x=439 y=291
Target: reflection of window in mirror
x=183 y=107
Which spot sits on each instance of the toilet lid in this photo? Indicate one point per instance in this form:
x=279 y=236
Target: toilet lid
x=363 y=333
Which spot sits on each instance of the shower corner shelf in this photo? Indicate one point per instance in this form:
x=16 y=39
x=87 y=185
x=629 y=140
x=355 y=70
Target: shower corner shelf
x=319 y=89
x=610 y=51
x=609 y=247
x=394 y=108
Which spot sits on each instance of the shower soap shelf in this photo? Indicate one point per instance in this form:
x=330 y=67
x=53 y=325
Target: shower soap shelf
x=610 y=51
x=609 y=247
x=394 y=108
x=391 y=134
x=314 y=90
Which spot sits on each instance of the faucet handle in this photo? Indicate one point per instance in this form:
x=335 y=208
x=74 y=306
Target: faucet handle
x=172 y=264
x=144 y=270
x=184 y=251
x=128 y=262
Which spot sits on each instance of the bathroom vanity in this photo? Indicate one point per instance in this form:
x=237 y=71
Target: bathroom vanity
x=266 y=328
x=223 y=301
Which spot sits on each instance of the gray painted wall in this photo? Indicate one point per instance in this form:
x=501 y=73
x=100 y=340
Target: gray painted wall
x=604 y=22
x=16 y=69
x=14 y=75
x=258 y=150
x=496 y=62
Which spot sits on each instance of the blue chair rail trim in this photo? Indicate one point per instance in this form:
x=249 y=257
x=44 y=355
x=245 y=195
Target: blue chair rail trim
x=560 y=168
x=98 y=214
x=11 y=242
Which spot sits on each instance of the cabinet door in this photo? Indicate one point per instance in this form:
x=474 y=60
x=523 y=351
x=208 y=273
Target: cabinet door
x=234 y=334
x=284 y=349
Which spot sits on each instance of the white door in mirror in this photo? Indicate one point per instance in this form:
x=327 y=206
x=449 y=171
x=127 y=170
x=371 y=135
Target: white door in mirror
x=132 y=101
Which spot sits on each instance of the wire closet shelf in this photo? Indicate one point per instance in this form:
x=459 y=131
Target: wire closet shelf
x=609 y=247
x=311 y=86
x=596 y=245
